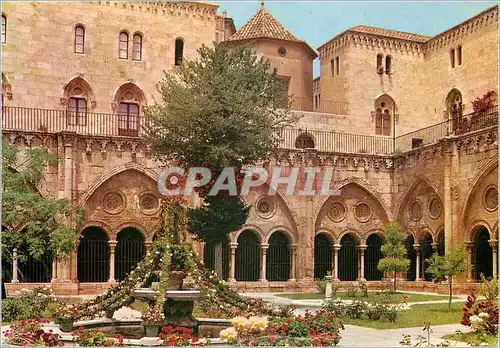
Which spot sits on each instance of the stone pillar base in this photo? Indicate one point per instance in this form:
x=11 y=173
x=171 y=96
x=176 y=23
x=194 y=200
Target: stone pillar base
x=292 y=280
x=231 y=280
x=263 y=280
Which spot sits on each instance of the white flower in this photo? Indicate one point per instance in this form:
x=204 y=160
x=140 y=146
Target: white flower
x=483 y=315
x=157 y=253
x=474 y=319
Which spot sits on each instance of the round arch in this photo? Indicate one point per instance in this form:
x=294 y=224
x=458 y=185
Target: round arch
x=329 y=233
x=151 y=174
x=358 y=239
x=93 y=255
x=130 y=250
x=259 y=233
x=407 y=195
x=482 y=252
x=247 y=256
x=475 y=226
x=78 y=82
x=99 y=224
x=278 y=261
x=348 y=256
x=138 y=96
x=131 y=224
x=283 y=229
x=323 y=252
x=373 y=254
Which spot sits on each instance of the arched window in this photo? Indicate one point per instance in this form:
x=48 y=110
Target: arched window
x=454 y=107
x=130 y=250
x=337 y=65
x=137 y=48
x=380 y=68
x=452 y=58
x=388 y=60
x=179 y=51
x=77 y=93
x=247 y=257
x=129 y=98
x=123 y=45
x=459 y=55
x=332 y=67
x=4 y=29
x=385 y=108
x=278 y=262
x=304 y=141
x=79 y=39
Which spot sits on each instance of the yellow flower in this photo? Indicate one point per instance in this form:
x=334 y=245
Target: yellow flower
x=228 y=335
x=257 y=323
x=241 y=323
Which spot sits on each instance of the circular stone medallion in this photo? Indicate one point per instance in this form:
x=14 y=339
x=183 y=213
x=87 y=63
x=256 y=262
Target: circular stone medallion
x=435 y=208
x=362 y=212
x=337 y=211
x=113 y=203
x=148 y=203
x=490 y=199
x=265 y=207
x=416 y=210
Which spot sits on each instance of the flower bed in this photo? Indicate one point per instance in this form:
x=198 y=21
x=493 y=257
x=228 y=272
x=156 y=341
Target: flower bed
x=355 y=309
x=319 y=329
x=31 y=333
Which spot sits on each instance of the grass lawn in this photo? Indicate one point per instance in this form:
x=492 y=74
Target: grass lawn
x=472 y=338
x=397 y=297
x=416 y=316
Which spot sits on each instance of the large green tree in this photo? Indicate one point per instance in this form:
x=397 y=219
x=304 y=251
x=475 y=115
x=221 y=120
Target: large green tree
x=395 y=253
x=446 y=267
x=224 y=109
x=32 y=223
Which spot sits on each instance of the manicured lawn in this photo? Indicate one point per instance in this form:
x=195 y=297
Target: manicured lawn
x=397 y=297
x=416 y=316
x=472 y=338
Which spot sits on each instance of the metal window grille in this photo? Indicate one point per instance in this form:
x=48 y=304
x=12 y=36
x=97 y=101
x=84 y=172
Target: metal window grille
x=247 y=256
x=77 y=111
x=278 y=261
x=209 y=258
x=373 y=254
x=348 y=259
x=79 y=39
x=36 y=270
x=322 y=256
x=411 y=274
x=4 y=29
x=128 y=119
x=123 y=46
x=482 y=255
x=137 y=47
x=93 y=257
x=130 y=250
x=425 y=253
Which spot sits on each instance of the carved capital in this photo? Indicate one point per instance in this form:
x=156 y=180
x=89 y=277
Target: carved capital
x=63 y=101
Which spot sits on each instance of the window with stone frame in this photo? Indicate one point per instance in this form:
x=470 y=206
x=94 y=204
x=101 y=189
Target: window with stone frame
x=123 y=45
x=380 y=62
x=128 y=119
x=459 y=55
x=77 y=110
x=385 y=110
x=137 y=47
x=332 y=67
x=79 y=39
x=388 y=64
x=337 y=65
x=179 y=51
x=4 y=29
x=452 y=58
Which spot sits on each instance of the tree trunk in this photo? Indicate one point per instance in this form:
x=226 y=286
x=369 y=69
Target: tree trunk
x=395 y=279
x=218 y=260
x=450 y=291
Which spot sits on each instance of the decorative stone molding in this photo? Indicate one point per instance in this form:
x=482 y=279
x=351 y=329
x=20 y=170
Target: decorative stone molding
x=490 y=198
x=362 y=212
x=435 y=208
x=265 y=207
x=416 y=210
x=337 y=212
x=113 y=202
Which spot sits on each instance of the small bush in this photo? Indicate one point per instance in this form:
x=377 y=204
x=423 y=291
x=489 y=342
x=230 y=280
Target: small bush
x=351 y=290
x=15 y=309
x=488 y=288
x=31 y=304
x=378 y=310
x=321 y=286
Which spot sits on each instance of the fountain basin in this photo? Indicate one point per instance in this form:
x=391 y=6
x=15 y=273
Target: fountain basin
x=149 y=294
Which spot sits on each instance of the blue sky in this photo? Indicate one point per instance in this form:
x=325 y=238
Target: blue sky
x=318 y=21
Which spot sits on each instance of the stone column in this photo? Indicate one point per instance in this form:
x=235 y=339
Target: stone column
x=14 y=266
x=54 y=272
x=447 y=198
x=232 y=265
x=293 y=262
x=469 y=246
x=336 y=249
x=147 y=244
x=417 y=249
x=264 y=248
x=112 y=247
x=494 y=247
x=362 y=249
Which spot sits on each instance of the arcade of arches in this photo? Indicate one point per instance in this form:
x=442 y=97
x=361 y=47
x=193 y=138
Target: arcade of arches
x=122 y=215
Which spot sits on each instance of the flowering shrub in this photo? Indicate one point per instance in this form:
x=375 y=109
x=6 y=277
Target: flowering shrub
x=179 y=337
x=29 y=304
x=30 y=333
x=381 y=310
x=482 y=316
x=152 y=316
x=319 y=329
x=485 y=102
x=92 y=338
x=66 y=312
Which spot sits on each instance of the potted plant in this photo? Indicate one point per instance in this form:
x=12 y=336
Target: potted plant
x=152 y=319
x=66 y=316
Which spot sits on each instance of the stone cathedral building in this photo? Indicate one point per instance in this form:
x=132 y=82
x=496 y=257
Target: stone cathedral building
x=391 y=113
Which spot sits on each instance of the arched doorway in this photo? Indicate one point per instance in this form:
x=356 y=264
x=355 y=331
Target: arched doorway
x=278 y=261
x=348 y=258
x=247 y=267
x=373 y=254
x=209 y=254
x=411 y=274
x=425 y=253
x=93 y=256
x=454 y=107
x=482 y=254
x=36 y=270
x=322 y=256
x=130 y=250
